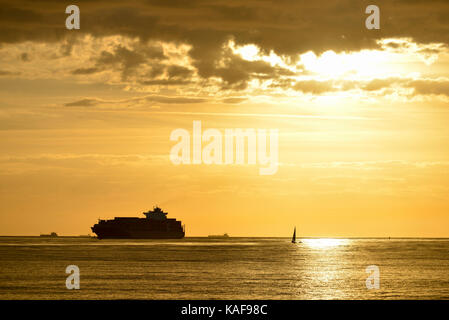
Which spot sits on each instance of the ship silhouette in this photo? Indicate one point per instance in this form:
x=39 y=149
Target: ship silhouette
x=50 y=235
x=218 y=236
x=294 y=237
x=155 y=225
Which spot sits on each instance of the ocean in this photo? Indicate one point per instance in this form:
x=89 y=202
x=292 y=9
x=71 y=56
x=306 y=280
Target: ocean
x=234 y=268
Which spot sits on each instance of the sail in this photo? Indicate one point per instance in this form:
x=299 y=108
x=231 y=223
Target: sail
x=294 y=236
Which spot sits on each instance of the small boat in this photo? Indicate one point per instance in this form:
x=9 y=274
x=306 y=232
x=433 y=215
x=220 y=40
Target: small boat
x=51 y=235
x=294 y=237
x=219 y=236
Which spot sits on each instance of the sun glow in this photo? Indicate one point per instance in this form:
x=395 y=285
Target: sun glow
x=324 y=243
x=362 y=64
x=248 y=52
x=395 y=57
x=251 y=52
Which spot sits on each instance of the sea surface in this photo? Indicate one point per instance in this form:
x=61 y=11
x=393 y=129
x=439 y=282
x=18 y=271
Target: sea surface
x=234 y=268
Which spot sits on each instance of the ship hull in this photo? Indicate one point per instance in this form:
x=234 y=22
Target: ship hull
x=130 y=228
x=132 y=235
x=150 y=236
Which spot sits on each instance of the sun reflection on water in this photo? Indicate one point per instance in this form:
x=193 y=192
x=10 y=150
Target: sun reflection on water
x=324 y=243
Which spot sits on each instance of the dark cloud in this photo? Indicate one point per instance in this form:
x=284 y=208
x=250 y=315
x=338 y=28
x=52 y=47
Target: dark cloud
x=431 y=51
x=178 y=72
x=420 y=87
x=156 y=70
x=425 y=87
x=174 y=100
x=8 y=73
x=89 y=102
x=288 y=27
x=236 y=71
x=81 y=71
x=378 y=84
x=15 y=14
x=83 y=103
x=233 y=100
x=314 y=87
x=171 y=75
x=165 y=82
x=393 y=45
x=127 y=60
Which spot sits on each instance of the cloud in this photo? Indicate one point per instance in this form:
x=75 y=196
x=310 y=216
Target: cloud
x=420 y=87
x=247 y=20
x=428 y=86
x=234 y=100
x=8 y=73
x=236 y=72
x=129 y=43
x=378 y=84
x=83 y=103
x=174 y=100
x=82 y=163
x=127 y=60
x=314 y=87
x=89 y=102
x=85 y=70
x=165 y=82
x=179 y=72
x=288 y=27
x=175 y=75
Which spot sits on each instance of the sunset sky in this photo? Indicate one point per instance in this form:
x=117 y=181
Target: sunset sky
x=363 y=115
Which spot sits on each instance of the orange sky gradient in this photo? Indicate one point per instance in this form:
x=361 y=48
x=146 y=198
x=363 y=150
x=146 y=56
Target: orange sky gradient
x=86 y=117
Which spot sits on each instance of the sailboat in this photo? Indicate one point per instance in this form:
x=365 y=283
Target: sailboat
x=294 y=237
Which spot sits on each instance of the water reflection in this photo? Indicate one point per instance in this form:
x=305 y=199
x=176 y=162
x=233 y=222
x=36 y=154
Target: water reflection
x=252 y=268
x=324 y=243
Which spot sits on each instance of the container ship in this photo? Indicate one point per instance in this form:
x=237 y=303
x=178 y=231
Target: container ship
x=50 y=235
x=155 y=225
x=219 y=236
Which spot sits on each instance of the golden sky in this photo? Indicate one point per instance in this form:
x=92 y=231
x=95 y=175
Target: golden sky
x=363 y=117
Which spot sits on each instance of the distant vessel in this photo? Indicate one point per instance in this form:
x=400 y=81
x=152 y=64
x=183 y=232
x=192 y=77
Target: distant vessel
x=219 y=236
x=51 y=235
x=154 y=226
x=294 y=237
